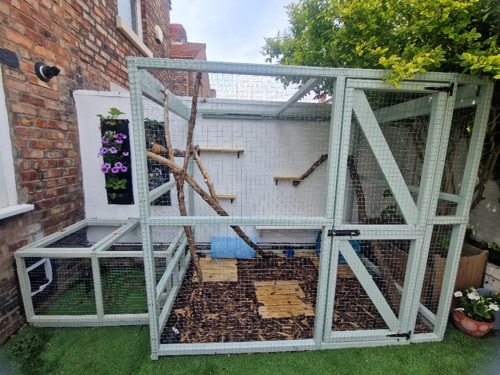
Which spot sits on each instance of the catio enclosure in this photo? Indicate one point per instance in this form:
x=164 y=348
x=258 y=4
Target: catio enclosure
x=309 y=223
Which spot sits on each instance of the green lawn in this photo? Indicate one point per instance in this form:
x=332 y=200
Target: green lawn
x=125 y=350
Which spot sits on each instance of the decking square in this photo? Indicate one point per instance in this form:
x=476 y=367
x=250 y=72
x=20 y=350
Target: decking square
x=281 y=299
x=224 y=270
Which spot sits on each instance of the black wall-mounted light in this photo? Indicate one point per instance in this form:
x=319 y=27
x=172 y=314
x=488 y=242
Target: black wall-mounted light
x=44 y=72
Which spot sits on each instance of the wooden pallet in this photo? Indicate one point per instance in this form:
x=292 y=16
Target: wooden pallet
x=281 y=299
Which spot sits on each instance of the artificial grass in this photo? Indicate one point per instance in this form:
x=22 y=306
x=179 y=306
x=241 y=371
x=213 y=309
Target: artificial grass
x=125 y=350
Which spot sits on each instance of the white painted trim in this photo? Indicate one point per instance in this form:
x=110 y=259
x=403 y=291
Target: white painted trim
x=132 y=36
x=15 y=210
x=8 y=193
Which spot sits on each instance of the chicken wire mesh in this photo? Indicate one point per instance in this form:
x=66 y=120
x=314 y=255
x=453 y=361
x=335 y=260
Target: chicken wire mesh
x=369 y=198
x=245 y=296
x=386 y=263
x=69 y=286
x=253 y=150
x=456 y=158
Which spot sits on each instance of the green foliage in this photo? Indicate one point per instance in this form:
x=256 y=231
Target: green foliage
x=116 y=183
x=113 y=114
x=405 y=36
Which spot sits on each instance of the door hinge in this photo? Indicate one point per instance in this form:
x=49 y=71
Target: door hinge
x=449 y=89
x=407 y=336
x=344 y=233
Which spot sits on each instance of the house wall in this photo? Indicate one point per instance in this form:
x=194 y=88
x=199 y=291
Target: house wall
x=80 y=38
x=182 y=83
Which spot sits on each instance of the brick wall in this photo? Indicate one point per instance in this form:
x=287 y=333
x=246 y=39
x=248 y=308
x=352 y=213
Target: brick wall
x=81 y=38
x=182 y=83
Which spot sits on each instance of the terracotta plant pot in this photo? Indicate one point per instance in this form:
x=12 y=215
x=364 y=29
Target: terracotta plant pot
x=470 y=326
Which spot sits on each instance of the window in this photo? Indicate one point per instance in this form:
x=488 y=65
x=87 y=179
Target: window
x=8 y=193
x=128 y=21
x=128 y=10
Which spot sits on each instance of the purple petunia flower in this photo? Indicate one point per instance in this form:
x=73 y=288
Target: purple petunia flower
x=118 y=165
x=119 y=141
x=113 y=150
x=103 y=150
x=153 y=185
x=115 y=170
x=125 y=153
x=105 y=167
x=120 y=136
x=124 y=169
x=104 y=140
x=159 y=179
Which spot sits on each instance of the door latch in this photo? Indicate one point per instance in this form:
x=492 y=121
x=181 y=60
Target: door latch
x=344 y=233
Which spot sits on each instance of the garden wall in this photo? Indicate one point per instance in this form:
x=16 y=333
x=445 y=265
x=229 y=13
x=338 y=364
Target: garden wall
x=271 y=148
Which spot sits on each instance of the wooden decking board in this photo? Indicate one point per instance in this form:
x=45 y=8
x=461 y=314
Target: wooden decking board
x=225 y=271
x=281 y=299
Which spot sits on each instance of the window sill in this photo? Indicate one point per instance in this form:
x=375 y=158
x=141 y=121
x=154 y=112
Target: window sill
x=132 y=36
x=15 y=210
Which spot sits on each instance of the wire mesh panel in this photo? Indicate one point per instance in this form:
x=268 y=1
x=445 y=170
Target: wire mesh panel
x=253 y=145
x=123 y=285
x=69 y=286
x=386 y=152
x=246 y=296
x=456 y=158
x=383 y=266
x=85 y=237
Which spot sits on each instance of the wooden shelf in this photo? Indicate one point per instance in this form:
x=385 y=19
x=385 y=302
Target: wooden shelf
x=227 y=196
x=276 y=179
x=222 y=150
x=315 y=228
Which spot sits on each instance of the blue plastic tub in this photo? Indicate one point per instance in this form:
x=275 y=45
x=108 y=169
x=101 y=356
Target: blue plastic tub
x=356 y=245
x=231 y=247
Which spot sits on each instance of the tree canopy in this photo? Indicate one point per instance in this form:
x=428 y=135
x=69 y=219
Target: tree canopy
x=404 y=36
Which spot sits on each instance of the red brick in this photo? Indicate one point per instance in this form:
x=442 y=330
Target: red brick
x=33 y=154
x=42 y=143
x=27 y=132
x=18 y=38
x=29 y=175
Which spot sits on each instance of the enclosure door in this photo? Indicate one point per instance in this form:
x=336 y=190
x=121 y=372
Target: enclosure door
x=388 y=158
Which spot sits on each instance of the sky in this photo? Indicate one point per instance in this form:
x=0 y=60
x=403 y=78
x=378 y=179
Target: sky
x=233 y=30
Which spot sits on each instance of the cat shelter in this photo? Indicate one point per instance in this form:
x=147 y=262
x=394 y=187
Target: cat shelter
x=289 y=221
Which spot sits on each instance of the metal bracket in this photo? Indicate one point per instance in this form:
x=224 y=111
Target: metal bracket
x=448 y=89
x=407 y=336
x=344 y=233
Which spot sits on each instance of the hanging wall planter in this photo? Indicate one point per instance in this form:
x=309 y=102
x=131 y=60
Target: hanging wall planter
x=158 y=173
x=115 y=151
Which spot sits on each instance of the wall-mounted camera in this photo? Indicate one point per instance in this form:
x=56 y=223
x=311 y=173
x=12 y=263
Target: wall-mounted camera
x=44 y=72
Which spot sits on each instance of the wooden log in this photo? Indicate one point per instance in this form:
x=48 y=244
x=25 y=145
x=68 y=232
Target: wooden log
x=358 y=188
x=207 y=198
x=310 y=170
x=180 y=196
x=160 y=150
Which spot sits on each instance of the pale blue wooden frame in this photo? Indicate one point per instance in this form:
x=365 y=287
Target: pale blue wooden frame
x=328 y=259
